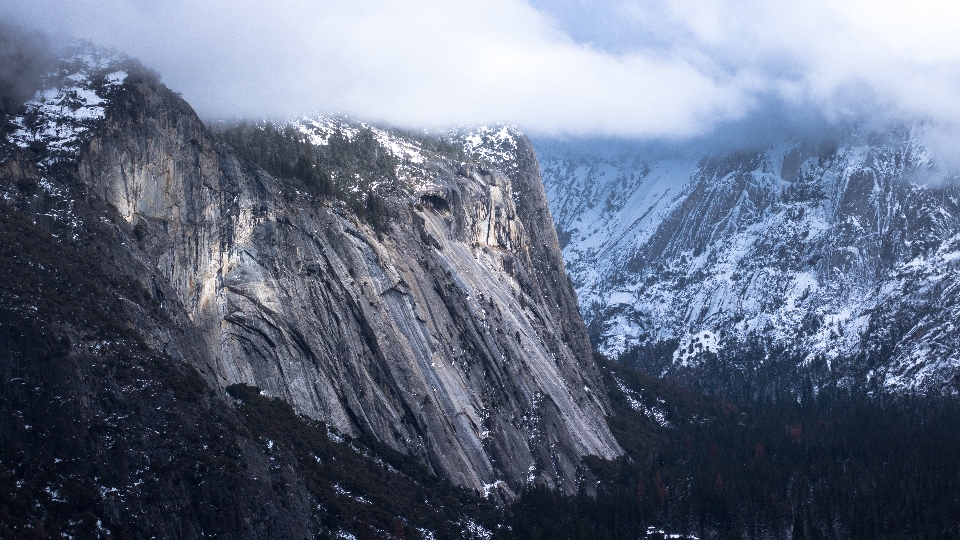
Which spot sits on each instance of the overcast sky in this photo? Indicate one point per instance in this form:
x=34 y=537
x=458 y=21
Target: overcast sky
x=650 y=68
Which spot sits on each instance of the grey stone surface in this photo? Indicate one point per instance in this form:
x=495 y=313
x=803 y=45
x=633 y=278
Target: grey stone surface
x=452 y=333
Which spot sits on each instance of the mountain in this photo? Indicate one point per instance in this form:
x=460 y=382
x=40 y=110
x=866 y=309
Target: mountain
x=329 y=329
x=808 y=262
x=177 y=322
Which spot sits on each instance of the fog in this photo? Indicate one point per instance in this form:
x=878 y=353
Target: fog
x=660 y=69
x=25 y=57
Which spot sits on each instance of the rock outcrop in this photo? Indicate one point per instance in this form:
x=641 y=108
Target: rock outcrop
x=450 y=332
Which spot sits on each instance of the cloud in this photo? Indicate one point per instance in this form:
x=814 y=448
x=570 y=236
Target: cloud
x=656 y=69
x=24 y=58
x=848 y=58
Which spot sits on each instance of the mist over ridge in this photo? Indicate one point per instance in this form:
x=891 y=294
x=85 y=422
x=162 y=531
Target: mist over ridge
x=669 y=69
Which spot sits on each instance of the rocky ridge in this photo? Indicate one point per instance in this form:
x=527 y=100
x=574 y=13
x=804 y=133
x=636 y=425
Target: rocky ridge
x=833 y=257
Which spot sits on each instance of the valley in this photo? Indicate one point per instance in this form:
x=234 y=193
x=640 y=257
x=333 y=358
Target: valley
x=327 y=328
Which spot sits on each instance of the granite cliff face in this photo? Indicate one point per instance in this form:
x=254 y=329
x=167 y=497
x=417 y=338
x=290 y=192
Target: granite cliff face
x=450 y=332
x=831 y=260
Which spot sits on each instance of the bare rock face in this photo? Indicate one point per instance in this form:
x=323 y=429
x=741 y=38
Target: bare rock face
x=450 y=333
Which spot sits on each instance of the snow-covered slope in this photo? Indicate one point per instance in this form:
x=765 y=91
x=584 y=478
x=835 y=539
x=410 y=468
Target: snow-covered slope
x=494 y=146
x=72 y=101
x=840 y=257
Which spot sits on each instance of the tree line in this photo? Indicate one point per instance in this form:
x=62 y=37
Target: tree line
x=355 y=169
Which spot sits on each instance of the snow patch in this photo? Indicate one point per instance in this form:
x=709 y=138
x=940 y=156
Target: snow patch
x=487 y=489
x=477 y=531
x=693 y=346
x=633 y=399
x=59 y=119
x=494 y=145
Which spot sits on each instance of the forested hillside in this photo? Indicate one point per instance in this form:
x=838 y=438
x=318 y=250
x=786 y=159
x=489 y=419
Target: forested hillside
x=839 y=465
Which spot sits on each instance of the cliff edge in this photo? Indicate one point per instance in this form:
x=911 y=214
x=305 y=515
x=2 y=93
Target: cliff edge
x=449 y=331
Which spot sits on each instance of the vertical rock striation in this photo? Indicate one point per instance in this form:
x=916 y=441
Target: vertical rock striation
x=450 y=333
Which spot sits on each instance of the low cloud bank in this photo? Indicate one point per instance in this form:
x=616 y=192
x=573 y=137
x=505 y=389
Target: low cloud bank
x=663 y=69
x=24 y=58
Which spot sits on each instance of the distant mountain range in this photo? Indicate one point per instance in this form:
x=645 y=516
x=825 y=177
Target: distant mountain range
x=820 y=261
